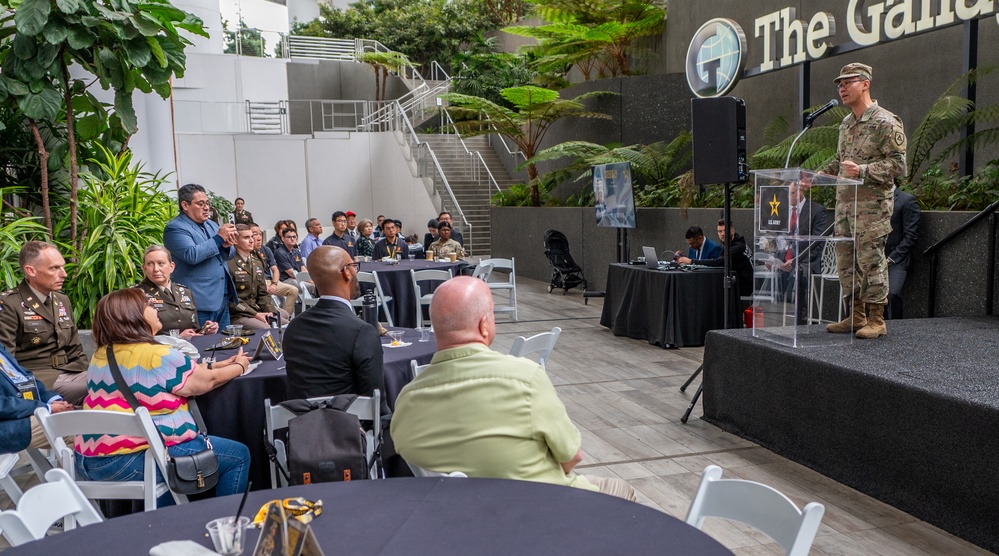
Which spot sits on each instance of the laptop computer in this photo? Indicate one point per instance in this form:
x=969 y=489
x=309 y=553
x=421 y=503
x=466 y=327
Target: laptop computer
x=651 y=260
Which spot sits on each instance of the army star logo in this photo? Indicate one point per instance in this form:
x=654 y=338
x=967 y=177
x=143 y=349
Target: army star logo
x=774 y=205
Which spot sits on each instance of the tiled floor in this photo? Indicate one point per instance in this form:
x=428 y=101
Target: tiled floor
x=624 y=396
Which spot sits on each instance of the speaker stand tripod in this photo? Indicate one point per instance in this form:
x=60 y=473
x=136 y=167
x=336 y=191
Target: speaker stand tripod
x=728 y=282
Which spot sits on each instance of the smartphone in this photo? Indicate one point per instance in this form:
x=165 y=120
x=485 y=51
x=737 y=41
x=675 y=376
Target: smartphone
x=232 y=218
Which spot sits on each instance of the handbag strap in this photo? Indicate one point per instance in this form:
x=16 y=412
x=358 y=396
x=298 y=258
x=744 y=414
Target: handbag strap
x=129 y=396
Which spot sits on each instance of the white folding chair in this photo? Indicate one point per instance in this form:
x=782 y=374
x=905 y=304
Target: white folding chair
x=482 y=271
x=758 y=505
x=45 y=504
x=365 y=408
x=421 y=472
x=509 y=285
x=767 y=278
x=423 y=299
x=541 y=344
x=7 y=482
x=818 y=286
x=96 y=422
x=305 y=290
x=382 y=299
x=417 y=368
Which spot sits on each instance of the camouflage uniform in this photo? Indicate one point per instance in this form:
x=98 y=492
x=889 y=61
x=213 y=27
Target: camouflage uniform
x=442 y=249
x=876 y=142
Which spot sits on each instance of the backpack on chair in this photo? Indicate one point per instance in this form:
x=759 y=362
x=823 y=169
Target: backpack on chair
x=325 y=443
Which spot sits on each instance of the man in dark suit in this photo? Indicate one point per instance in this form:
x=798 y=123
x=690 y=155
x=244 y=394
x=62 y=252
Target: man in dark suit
x=329 y=351
x=901 y=240
x=806 y=218
x=20 y=395
x=200 y=249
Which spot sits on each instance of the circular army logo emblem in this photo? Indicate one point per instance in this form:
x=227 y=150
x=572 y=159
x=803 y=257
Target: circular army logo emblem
x=716 y=58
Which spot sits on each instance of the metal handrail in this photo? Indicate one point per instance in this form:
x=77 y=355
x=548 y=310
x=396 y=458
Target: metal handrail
x=472 y=156
x=931 y=252
x=502 y=139
x=436 y=71
x=418 y=148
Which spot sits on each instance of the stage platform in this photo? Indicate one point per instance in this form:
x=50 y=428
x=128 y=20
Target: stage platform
x=911 y=419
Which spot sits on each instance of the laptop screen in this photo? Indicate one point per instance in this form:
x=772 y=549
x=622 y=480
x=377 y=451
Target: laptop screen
x=651 y=261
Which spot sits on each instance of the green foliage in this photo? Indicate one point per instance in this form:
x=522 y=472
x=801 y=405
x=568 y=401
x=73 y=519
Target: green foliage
x=517 y=195
x=423 y=30
x=482 y=72
x=594 y=35
x=935 y=190
x=814 y=150
x=14 y=232
x=122 y=211
x=222 y=206
x=384 y=62
x=944 y=118
x=534 y=111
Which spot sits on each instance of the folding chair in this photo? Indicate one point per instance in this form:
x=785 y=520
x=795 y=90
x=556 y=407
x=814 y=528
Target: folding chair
x=423 y=299
x=73 y=423
x=509 y=286
x=365 y=408
x=417 y=368
x=44 y=505
x=305 y=290
x=482 y=271
x=758 y=505
x=817 y=288
x=542 y=344
x=382 y=299
x=7 y=482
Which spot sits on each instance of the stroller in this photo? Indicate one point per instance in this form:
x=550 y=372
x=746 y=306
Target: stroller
x=566 y=274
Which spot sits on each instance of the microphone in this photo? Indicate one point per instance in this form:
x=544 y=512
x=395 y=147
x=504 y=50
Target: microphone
x=825 y=108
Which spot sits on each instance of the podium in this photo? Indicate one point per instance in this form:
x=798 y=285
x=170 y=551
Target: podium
x=796 y=285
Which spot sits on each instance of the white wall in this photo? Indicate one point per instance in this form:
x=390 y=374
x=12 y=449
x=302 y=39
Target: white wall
x=298 y=177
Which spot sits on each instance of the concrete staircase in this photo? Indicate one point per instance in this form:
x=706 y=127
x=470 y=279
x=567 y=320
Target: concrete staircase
x=472 y=193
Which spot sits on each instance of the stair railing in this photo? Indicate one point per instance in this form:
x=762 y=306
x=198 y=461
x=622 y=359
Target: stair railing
x=990 y=278
x=474 y=164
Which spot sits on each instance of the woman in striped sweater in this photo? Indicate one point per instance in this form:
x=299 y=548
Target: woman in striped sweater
x=162 y=378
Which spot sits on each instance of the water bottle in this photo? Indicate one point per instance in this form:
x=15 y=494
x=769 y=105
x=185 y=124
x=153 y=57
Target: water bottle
x=369 y=309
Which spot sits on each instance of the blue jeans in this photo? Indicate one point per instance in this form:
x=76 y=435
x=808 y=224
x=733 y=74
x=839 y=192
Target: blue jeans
x=220 y=316
x=234 y=466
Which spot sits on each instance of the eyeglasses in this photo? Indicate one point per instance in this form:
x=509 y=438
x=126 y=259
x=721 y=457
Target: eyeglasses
x=357 y=267
x=290 y=236
x=340 y=221
x=202 y=204
x=846 y=83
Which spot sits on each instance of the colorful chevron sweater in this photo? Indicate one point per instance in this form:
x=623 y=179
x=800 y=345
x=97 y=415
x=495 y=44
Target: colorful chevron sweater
x=154 y=372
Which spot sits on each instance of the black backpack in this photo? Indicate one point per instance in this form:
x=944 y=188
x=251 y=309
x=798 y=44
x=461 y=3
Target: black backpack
x=325 y=443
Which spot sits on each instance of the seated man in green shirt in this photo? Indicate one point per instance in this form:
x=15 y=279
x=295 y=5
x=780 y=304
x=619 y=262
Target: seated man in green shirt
x=485 y=413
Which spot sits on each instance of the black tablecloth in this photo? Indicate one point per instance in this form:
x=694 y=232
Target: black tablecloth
x=666 y=308
x=236 y=409
x=397 y=284
x=420 y=516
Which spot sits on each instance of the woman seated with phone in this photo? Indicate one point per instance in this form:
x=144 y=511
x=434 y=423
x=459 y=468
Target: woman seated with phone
x=174 y=303
x=161 y=379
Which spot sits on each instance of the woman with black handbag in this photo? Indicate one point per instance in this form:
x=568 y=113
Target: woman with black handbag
x=130 y=368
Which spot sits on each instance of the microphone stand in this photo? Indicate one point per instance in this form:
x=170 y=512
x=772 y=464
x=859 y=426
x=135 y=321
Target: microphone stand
x=808 y=125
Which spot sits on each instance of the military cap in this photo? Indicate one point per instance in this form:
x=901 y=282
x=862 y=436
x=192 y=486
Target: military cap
x=855 y=69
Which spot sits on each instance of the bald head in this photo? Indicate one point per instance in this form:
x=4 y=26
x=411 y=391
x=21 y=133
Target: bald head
x=326 y=267
x=462 y=313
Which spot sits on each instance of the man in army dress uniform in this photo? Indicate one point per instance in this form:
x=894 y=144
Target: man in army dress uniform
x=37 y=325
x=173 y=302
x=871 y=149
x=255 y=305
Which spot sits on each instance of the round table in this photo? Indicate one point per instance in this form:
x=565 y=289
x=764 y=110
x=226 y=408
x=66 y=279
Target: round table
x=236 y=409
x=397 y=284
x=421 y=516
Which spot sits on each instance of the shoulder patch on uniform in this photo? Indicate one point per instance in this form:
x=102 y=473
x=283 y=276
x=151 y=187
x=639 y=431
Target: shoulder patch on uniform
x=899 y=138
x=5 y=293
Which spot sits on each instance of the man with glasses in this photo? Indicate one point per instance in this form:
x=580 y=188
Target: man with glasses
x=289 y=258
x=340 y=238
x=871 y=149
x=274 y=284
x=200 y=248
x=352 y=352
